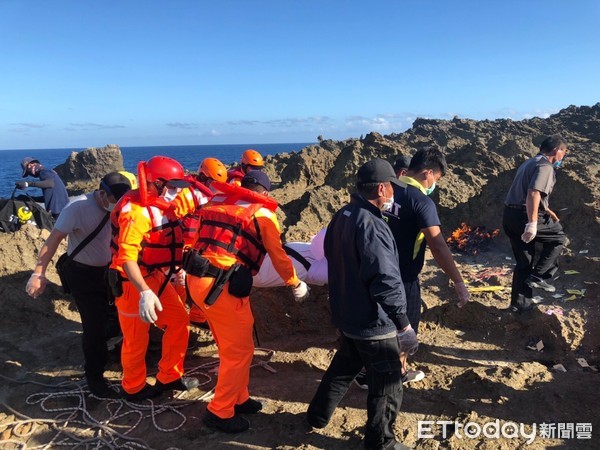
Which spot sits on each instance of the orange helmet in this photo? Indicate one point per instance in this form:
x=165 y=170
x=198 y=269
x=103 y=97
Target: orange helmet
x=213 y=168
x=165 y=169
x=253 y=158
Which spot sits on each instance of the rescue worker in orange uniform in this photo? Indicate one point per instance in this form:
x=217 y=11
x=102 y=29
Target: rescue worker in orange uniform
x=192 y=199
x=148 y=247
x=236 y=230
x=251 y=160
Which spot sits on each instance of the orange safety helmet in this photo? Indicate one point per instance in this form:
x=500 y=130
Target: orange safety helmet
x=252 y=158
x=214 y=169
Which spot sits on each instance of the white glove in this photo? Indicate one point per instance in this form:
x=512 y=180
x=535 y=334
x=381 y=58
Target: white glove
x=149 y=303
x=301 y=291
x=35 y=285
x=178 y=278
x=530 y=232
x=462 y=293
x=407 y=341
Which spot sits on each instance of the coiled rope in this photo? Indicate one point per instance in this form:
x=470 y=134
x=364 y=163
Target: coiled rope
x=76 y=427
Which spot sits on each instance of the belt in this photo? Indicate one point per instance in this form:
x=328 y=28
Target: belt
x=213 y=271
x=520 y=207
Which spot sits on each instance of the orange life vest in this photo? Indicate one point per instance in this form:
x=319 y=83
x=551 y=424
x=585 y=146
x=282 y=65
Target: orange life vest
x=162 y=246
x=235 y=175
x=191 y=221
x=229 y=227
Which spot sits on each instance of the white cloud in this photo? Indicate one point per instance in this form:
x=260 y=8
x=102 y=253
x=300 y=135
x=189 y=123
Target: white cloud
x=183 y=125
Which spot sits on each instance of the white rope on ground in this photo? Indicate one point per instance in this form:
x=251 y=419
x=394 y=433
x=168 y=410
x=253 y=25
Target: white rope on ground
x=76 y=427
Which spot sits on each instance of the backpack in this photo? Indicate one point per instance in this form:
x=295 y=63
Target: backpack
x=17 y=211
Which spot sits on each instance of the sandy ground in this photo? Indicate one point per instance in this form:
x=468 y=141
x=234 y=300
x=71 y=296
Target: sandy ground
x=476 y=359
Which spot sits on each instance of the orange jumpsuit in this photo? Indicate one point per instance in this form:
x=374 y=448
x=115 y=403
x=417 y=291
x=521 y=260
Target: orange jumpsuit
x=231 y=318
x=190 y=199
x=139 y=226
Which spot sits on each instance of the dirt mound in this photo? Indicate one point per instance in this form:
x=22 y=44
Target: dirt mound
x=482 y=363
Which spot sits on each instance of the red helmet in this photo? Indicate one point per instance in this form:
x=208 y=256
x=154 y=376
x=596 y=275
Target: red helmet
x=253 y=158
x=164 y=169
x=214 y=169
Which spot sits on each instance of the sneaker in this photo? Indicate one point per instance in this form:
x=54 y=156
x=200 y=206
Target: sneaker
x=250 y=406
x=413 y=375
x=180 y=384
x=235 y=424
x=146 y=393
x=535 y=282
x=101 y=388
x=361 y=380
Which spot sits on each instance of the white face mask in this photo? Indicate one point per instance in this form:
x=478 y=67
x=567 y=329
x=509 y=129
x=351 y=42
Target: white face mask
x=387 y=205
x=170 y=193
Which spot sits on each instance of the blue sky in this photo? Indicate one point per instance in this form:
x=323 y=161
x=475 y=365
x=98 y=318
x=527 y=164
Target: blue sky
x=80 y=74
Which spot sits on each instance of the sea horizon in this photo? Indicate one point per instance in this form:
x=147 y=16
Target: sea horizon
x=190 y=156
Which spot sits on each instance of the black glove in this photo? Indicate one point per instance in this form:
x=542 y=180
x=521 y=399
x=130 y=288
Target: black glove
x=21 y=184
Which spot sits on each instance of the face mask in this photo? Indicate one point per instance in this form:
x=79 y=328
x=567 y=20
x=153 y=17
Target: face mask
x=387 y=205
x=110 y=207
x=170 y=193
x=557 y=164
x=430 y=189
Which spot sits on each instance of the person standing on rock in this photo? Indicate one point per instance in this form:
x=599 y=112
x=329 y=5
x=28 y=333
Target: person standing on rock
x=55 y=193
x=237 y=228
x=528 y=220
x=414 y=222
x=85 y=273
x=147 y=249
x=368 y=306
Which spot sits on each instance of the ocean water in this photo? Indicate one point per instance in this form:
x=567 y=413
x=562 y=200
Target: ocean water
x=189 y=156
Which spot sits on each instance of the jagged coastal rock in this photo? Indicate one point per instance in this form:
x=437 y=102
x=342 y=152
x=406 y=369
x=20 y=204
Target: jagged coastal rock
x=83 y=170
x=480 y=361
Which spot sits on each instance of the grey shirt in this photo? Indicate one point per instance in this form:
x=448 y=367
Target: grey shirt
x=78 y=219
x=536 y=173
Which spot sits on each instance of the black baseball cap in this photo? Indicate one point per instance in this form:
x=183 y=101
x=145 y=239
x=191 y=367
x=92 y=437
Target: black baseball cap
x=115 y=184
x=257 y=177
x=376 y=171
x=403 y=162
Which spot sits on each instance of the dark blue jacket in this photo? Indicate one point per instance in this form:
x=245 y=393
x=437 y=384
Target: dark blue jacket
x=365 y=287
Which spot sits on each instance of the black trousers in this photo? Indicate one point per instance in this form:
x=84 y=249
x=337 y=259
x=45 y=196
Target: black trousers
x=550 y=235
x=381 y=358
x=94 y=303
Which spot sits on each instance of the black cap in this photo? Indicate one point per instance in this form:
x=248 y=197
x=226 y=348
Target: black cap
x=402 y=163
x=25 y=162
x=376 y=171
x=257 y=177
x=115 y=184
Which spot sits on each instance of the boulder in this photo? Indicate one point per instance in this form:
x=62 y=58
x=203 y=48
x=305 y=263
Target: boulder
x=82 y=171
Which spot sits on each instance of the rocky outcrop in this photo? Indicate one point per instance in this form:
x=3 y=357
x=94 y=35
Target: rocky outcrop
x=482 y=157
x=83 y=170
x=313 y=183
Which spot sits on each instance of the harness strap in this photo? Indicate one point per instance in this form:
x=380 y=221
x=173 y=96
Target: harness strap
x=297 y=256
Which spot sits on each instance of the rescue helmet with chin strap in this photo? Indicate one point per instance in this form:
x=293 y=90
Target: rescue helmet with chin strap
x=162 y=168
